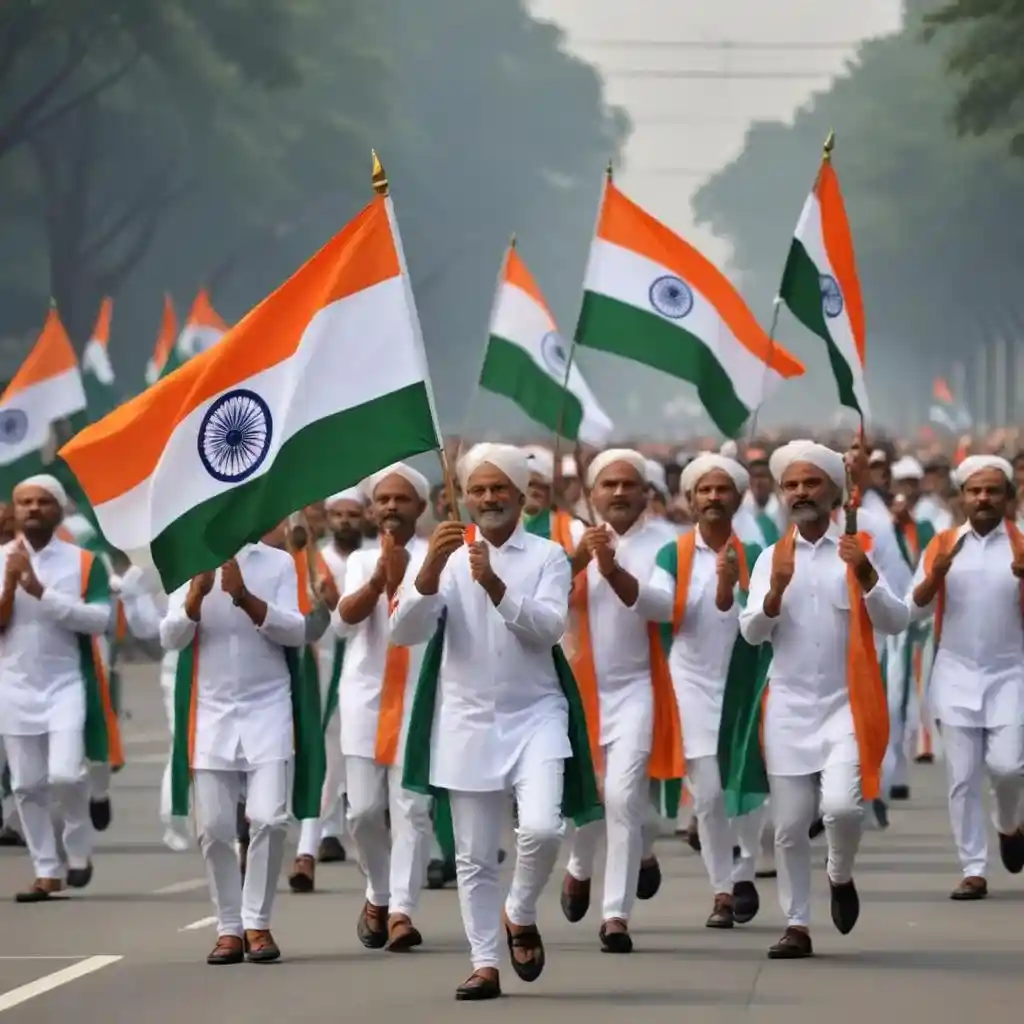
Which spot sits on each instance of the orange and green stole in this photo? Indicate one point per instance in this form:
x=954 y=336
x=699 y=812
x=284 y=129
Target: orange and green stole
x=741 y=750
x=551 y=524
x=310 y=764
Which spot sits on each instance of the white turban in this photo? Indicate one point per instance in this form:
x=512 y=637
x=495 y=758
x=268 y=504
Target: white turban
x=829 y=462
x=420 y=484
x=656 y=477
x=730 y=449
x=606 y=458
x=907 y=468
x=353 y=494
x=976 y=463
x=542 y=462
x=570 y=471
x=50 y=484
x=512 y=461
x=704 y=464
x=878 y=457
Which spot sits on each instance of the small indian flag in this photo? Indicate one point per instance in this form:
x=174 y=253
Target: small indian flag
x=164 y=341
x=203 y=329
x=821 y=288
x=320 y=385
x=46 y=388
x=526 y=361
x=651 y=297
x=97 y=372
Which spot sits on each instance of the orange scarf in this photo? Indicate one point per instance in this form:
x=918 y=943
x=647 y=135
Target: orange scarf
x=561 y=530
x=868 y=702
x=945 y=542
x=666 y=761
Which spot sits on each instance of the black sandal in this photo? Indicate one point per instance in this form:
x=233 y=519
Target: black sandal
x=528 y=939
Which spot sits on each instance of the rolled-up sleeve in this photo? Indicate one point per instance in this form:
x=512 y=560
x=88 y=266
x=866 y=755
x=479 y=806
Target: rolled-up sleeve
x=540 y=618
x=284 y=624
x=756 y=627
x=177 y=630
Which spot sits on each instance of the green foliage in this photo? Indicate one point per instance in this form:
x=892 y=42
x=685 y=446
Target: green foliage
x=930 y=213
x=986 y=56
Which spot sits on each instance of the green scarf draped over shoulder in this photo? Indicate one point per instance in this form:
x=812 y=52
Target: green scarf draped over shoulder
x=102 y=730
x=580 y=800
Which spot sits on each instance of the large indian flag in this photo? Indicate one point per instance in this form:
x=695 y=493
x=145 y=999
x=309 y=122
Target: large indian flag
x=821 y=287
x=320 y=385
x=203 y=329
x=46 y=388
x=651 y=297
x=526 y=361
x=164 y=342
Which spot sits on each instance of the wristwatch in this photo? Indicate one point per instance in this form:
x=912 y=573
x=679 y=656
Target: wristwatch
x=236 y=601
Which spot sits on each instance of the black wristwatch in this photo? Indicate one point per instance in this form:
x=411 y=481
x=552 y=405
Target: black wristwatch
x=237 y=601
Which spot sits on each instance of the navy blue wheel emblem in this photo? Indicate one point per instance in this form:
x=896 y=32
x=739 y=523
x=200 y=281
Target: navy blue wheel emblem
x=13 y=426
x=671 y=296
x=235 y=435
x=552 y=348
x=831 y=296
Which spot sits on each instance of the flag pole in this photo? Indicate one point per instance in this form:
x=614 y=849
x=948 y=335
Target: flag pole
x=381 y=187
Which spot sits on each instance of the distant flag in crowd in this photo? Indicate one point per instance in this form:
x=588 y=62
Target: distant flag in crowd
x=320 y=385
x=97 y=371
x=820 y=284
x=526 y=361
x=651 y=297
x=203 y=329
x=946 y=411
x=47 y=388
x=164 y=341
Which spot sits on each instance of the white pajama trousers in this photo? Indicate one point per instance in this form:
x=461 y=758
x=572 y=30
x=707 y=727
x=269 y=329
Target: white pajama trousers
x=49 y=781
x=718 y=833
x=395 y=865
x=479 y=820
x=627 y=802
x=332 y=807
x=267 y=788
x=970 y=754
x=794 y=806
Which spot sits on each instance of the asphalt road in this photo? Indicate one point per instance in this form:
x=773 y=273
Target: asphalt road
x=132 y=947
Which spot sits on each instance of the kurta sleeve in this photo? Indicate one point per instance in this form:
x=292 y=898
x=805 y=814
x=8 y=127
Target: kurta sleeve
x=755 y=627
x=540 y=618
x=63 y=602
x=888 y=613
x=177 y=630
x=285 y=625
x=656 y=600
x=886 y=556
x=414 y=616
x=357 y=572
x=141 y=611
x=919 y=612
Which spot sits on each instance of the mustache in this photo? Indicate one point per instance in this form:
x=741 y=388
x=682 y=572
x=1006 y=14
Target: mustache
x=714 y=506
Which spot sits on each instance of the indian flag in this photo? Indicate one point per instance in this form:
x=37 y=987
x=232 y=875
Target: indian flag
x=97 y=372
x=821 y=287
x=203 y=329
x=320 y=385
x=526 y=361
x=46 y=388
x=651 y=297
x=164 y=342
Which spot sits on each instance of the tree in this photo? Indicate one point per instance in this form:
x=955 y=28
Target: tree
x=928 y=211
x=987 y=57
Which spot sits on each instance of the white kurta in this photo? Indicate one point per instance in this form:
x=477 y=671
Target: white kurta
x=977 y=677
x=41 y=684
x=244 y=711
x=808 y=715
x=699 y=660
x=619 y=637
x=366 y=647
x=498 y=689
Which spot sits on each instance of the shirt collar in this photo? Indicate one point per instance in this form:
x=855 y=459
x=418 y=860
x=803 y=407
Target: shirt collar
x=516 y=542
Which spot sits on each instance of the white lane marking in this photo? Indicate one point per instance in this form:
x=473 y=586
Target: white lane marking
x=42 y=956
x=189 y=885
x=203 y=922
x=23 y=993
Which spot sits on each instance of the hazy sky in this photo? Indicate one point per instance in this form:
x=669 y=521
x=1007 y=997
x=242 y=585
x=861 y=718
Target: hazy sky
x=685 y=128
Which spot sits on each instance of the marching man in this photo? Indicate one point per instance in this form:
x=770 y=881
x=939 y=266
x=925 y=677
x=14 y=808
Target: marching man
x=495 y=706
x=54 y=699
x=375 y=699
x=972 y=579
x=817 y=598
x=239 y=722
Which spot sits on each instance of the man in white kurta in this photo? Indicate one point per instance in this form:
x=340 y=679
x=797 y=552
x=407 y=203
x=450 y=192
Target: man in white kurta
x=375 y=697
x=977 y=684
x=699 y=663
x=501 y=722
x=243 y=615
x=43 y=615
x=621 y=551
x=801 y=605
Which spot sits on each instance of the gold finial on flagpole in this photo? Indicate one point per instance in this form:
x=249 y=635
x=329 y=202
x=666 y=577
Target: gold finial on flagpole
x=830 y=144
x=609 y=171
x=378 y=178
x=512 y=241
